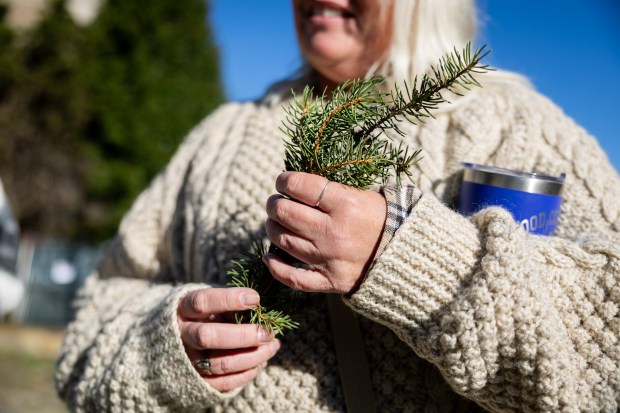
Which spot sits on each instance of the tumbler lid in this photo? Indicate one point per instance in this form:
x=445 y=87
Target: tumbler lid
x=512 y=179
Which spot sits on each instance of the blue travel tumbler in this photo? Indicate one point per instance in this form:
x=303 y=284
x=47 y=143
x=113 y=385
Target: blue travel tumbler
x=533 y=199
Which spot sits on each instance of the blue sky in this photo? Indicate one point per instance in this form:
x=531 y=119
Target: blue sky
x=569 y=49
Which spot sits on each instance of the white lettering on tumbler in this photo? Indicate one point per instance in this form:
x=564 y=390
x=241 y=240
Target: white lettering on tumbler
x=540 y=221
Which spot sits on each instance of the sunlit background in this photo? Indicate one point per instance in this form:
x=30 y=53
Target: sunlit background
x=95 y=95
x=569 y=49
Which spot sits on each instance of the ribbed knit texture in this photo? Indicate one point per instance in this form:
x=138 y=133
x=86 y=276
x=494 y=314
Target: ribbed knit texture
x=458 y=314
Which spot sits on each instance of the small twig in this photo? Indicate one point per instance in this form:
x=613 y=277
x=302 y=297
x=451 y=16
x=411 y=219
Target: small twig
x=345 y=163
x=331 y=115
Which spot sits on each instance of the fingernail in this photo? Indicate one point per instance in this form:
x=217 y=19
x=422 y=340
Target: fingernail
x=274 y=346
x=250 y=299
x=264 y=336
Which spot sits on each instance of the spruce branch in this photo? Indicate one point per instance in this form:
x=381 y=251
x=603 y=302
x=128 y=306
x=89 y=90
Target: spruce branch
x=249 y=271
x=342 y=138
x=454 y=71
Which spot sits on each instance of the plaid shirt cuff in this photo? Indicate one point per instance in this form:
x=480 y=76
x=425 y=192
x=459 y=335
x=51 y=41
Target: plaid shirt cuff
x=400 y=203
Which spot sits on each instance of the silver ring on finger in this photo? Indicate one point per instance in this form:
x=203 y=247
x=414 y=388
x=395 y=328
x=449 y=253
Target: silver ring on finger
x=318 y=201
x=204 y=365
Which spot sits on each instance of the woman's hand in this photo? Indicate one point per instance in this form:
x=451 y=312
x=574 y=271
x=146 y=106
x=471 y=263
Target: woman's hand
x=338 y=237
x=225 y=354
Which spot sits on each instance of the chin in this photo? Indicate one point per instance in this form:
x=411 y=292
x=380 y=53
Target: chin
x=331 y=57
x=339 y=74
x=329 y=46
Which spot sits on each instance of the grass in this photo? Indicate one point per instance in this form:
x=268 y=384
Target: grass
x=27 y=357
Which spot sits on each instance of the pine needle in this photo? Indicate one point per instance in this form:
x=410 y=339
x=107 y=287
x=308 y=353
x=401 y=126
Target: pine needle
x=343 y=139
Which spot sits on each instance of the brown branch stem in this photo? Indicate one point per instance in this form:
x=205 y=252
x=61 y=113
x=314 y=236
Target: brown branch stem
x=329 y=117
x=345 y=163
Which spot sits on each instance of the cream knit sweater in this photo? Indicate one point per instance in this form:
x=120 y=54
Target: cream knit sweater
x=458 y=314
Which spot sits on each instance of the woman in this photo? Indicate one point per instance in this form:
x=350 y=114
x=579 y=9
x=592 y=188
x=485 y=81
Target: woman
x=456 y=313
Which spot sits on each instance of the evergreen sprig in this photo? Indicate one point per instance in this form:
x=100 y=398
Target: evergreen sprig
x=324 y=136
x=342 y=138
x=251 y=272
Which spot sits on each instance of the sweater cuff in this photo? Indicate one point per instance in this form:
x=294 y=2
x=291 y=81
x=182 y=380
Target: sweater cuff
x=400 y=201
x=173 y=375
x=420 y=271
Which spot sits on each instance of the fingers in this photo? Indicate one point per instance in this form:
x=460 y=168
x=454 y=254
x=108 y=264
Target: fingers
x=234 y=361
x=307 y=188
x=234 y=368
x=297 y=246
x=232 y=381
x=237 y=352
x=295 y=216
x=200 y=336
x=297 y=278
x=201 y=304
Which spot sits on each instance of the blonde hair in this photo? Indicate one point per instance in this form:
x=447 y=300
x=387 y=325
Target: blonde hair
x=424 y=31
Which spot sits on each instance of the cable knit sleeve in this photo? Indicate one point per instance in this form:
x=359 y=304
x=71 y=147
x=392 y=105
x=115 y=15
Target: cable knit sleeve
x=123 y=352
x=513 y=321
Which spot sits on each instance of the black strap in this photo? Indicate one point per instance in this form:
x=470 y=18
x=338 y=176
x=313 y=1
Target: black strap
x=352 y=363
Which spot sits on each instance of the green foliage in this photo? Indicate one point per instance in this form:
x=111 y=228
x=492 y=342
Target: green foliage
x=91 y=114
x=342 y=139
x=252 y=273
x=326 y=139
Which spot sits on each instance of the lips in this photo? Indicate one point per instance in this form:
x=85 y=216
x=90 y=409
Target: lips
x=328 y=10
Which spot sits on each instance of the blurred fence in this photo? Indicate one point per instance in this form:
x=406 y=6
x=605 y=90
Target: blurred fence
x=52 y=273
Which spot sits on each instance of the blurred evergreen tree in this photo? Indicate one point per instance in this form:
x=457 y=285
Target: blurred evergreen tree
x=88 y=115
